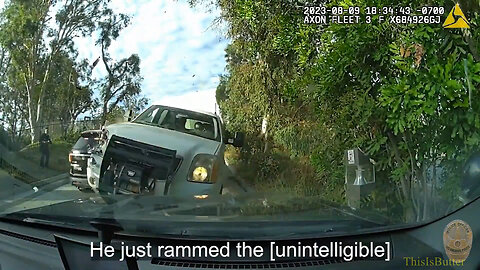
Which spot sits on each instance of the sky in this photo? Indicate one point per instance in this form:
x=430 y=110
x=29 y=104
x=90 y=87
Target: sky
x=181 y=52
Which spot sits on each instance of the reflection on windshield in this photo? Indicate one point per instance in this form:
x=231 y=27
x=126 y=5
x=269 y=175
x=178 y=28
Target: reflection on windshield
x=370 y=125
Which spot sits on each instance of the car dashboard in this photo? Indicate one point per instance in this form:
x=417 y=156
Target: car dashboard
x=47 y=247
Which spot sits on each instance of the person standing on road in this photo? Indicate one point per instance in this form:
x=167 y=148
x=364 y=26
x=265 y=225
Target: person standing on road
x=44 y=149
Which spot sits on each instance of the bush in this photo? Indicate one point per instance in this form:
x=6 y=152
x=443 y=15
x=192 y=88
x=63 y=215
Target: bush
x=277 y=171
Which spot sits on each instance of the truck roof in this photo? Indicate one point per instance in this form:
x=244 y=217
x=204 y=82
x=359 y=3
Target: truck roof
x=196 y=111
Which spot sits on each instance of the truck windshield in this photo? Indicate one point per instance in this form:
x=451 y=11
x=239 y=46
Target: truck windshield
x=189 y=122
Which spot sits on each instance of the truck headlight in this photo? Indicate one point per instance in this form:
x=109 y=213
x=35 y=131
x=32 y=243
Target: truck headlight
x=199 y=174
x=203 y=169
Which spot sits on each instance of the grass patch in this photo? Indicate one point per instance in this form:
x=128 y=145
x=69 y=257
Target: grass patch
x=275 y=205
x=58 y=155
x=278 y=172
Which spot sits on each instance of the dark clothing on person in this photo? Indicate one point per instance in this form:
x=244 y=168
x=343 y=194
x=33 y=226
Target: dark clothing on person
x=44 y=159
x=44 y=143
x=44 y=149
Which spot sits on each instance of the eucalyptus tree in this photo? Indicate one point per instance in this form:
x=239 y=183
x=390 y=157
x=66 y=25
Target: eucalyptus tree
x=123 y=79
x=34 y=33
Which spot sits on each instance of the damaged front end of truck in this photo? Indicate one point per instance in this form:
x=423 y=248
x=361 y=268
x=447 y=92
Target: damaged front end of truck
x=132 y=167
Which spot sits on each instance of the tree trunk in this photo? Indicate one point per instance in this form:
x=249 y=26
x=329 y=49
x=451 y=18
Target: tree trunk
x=104 y=112
x=426 y=200
x=31 y=118
x=433 y=194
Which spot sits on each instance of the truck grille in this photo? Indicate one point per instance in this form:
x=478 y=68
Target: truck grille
x=137 y=165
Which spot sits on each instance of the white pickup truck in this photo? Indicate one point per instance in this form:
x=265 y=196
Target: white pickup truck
x=163 y=151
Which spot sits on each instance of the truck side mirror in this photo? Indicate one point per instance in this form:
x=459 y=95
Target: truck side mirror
x=129 y=115
x=238 y=140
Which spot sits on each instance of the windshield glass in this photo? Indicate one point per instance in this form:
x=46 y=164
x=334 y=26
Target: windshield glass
x=193 y=123
x=339 y=116
x=84 y=144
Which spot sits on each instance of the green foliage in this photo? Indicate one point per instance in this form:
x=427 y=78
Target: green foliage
x=404 y=94
x=43 y=80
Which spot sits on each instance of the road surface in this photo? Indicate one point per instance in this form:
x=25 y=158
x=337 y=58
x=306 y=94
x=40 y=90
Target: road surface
x=11 y=188
x=16 y=195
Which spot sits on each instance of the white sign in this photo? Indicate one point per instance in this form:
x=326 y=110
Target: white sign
x=351 y=157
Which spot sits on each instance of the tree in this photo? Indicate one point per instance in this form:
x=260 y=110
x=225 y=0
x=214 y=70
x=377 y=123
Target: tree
x=123 y=80
x=405 y=94
x=71 y=83
x=4 y=66
x=23 y=27
x=402 y=94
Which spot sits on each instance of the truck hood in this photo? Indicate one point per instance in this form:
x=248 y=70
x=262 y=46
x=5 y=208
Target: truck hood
x=184 y=144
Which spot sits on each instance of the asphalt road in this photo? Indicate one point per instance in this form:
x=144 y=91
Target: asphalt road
x=17 y=195
x=11 y=188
